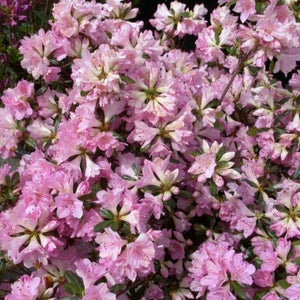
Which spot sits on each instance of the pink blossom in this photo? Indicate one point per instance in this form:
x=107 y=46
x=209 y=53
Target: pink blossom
x=246 y=8
x=18 y=99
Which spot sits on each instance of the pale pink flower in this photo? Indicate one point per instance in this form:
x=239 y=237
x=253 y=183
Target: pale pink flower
x=110 y=244
x=36 y=51
x=98 y=292
x=18 y=99
x=246 y=8
x=27 y=288
x=10 y=133
x=89 y=271
x=68 y=205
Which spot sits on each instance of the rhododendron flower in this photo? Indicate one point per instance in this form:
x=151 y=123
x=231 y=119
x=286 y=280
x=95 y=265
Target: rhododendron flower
x=18 y=99
x=98 y=292
x=207 y=165
x=246 y=8
x=157 y=175
x=212 y=264
x=10 y=133
x=27 y=288
x=36 y=51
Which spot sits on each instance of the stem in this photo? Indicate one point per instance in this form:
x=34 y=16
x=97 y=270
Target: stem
x=236 y=71
x=242 y=60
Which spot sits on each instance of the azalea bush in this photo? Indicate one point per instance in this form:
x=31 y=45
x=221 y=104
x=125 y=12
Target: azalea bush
x=146 y=171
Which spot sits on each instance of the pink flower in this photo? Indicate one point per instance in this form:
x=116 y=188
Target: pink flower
x=10 y=133
x=137 y=257
x=207 y=166
x=98 y=292
x=18 y=99
x=27 y=288
x=68 y=205
x=89 y=271
x=36 y=51
x=157 y=174
x=246 y=8
x=211 y=265
x=110 y=244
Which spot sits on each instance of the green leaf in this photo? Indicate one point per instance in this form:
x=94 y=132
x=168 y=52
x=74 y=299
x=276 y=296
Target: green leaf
x=184 y=14
x=3 y=268
x=213 y=189
x=41 y=90
x=238 y=290
x=253 y=70
x=297 y=260
x=136 y=169
x=259 y=295
x=199 y=227
x=84 y=93
x=57 y=121
x=126 y=79
x=218 y=126
x=213 y=104
x=75 y=284
x=100 y=226
x=185 y=194
x=117 y=288
x=42 y=16
x=252 y=131
x=260 y=7
x=296 y=174
x=146 y=56
x=126 y=177
x=221 y=152
x=106 y=214
x=283 y=283
x=30 y=142
x=250 y=183
x=15 y=179
x=282 y=209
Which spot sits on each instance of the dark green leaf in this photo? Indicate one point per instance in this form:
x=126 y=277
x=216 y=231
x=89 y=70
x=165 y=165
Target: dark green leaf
x=283 y=283
x=199 y=227
x=146 y=56
x=297 y=260
x=253 y=70
x=84 y=93
x=296 y=174
x=136 y=169
x=238 y=290
x=218 y=126
x=42 y=16
x=282 y=209
x=41 y=90
x=213 y=189
x=221 y=152
x=185 y=194
x=30 y=142
x=126 y=177
x=250 y=182
x=15 y=179
x=57 y=121
x=252 y=131
x=100 y=226
x=75 y=284
x=126 y=79
x=213 y=104
x=106 y=214
x=117 y=288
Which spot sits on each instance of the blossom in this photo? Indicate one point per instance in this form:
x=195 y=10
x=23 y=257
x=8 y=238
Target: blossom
x=208 y=165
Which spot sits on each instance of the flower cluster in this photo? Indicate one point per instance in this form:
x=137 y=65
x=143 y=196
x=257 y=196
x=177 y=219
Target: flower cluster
x=148 y=172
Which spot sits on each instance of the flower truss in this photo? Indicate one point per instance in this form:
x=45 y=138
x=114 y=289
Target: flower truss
x=149 y=172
